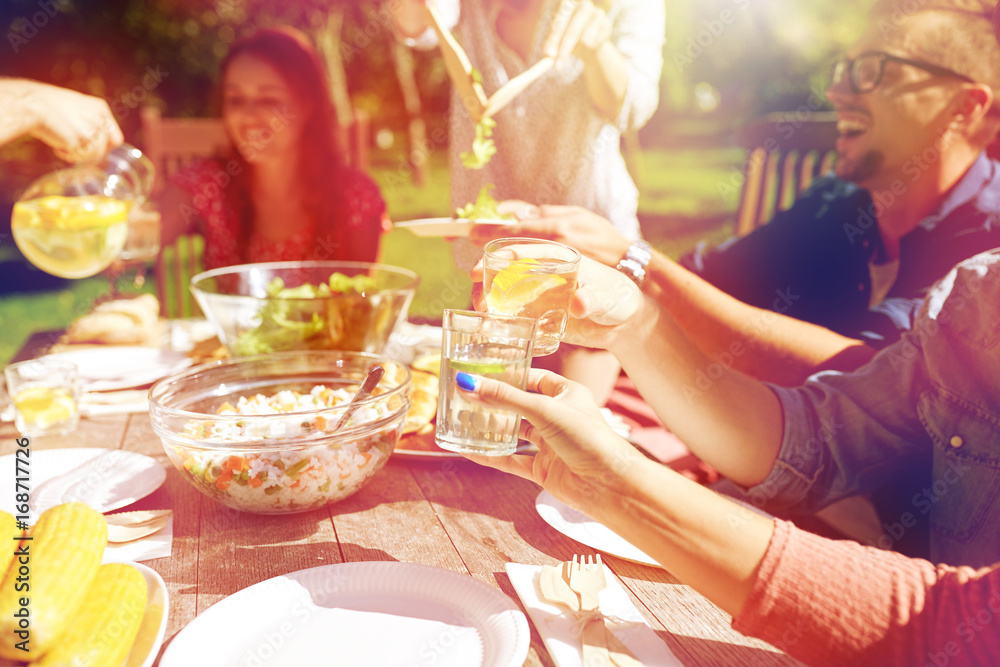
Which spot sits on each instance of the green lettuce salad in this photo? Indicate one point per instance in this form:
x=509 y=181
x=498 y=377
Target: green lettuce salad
x=483 y=150
x=340 y=314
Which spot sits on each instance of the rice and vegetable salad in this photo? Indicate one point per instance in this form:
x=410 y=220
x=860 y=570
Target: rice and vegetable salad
x=272 y=482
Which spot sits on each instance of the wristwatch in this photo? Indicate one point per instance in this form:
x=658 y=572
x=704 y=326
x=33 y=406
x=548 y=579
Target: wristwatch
x=635 y=261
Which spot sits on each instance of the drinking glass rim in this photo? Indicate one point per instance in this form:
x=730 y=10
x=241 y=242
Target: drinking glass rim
x=482 y=314
x=514 y=338
x=489 y=250
x=43 y=362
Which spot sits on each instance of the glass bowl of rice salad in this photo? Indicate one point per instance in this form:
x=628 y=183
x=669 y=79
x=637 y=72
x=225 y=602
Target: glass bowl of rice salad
x=259 y=434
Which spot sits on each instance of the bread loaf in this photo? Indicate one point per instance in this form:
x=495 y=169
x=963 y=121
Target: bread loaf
x=118 y=322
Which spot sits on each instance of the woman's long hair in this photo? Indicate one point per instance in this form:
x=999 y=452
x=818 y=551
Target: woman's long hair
x=298 y=63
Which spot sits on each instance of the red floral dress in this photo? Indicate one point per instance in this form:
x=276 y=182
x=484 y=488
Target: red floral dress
x=352 y=234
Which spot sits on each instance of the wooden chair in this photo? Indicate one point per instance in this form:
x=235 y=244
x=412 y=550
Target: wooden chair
x=786 y=151
x=172 y=144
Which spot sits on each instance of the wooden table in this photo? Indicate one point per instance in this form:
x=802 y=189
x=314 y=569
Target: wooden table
x=449 y=513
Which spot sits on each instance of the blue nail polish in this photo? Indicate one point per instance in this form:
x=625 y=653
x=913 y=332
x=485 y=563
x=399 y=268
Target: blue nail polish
x=466 y=382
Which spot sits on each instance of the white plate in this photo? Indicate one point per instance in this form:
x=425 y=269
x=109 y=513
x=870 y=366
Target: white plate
x=122 y=366
x=616 y=422
x=522 y=447
x=447 y=226
x=105 y=479
x=365 y=613
x=154 y=623
x=583 y=529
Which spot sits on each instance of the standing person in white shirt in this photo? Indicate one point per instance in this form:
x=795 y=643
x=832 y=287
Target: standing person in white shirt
x=558 y=142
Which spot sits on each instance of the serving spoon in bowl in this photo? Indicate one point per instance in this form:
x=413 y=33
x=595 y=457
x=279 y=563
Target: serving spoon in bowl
x=373 y=378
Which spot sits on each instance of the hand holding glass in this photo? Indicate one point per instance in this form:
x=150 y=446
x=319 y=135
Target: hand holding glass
x=492 y=346
x=532 y=278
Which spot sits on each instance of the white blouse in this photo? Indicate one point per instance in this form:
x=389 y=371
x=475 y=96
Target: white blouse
x=553 y=147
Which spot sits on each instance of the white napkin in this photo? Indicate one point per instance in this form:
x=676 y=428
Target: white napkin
x=555 y=626
x=122 y=402
x=408 y=341
x=157 y=545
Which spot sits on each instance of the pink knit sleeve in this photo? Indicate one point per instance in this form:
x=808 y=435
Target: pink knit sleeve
x=831 y=602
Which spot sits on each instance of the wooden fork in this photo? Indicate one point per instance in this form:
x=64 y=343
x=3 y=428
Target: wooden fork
x=587 y=579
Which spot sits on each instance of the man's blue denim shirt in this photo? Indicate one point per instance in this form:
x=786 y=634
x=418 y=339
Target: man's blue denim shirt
x=811 y=261
x=929 y=401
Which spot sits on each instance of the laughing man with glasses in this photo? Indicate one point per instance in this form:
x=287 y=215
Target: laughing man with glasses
x=913 y=194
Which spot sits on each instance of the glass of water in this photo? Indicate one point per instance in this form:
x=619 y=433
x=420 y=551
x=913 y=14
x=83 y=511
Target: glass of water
x=486 y=345
x=45 y=393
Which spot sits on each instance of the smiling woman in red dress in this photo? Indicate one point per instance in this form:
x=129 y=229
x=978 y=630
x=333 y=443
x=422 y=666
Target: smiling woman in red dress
x=283 y=191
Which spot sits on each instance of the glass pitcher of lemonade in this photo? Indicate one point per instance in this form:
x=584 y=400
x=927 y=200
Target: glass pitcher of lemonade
x=73 y=223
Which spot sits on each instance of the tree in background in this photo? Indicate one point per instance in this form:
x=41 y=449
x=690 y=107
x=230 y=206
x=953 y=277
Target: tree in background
x=733 y=59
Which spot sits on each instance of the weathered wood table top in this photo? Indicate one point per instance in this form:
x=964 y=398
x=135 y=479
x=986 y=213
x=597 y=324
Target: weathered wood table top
x=448 y=513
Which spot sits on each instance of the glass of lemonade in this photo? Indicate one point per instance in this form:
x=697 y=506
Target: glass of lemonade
x=491 y=346
x=532 y=278
x=73 y=223
x=46 y=394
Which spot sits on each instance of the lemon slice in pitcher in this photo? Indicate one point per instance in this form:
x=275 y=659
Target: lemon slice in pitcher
x=514 y=287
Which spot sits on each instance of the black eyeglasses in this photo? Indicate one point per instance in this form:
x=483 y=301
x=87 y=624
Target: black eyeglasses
x=865 y=71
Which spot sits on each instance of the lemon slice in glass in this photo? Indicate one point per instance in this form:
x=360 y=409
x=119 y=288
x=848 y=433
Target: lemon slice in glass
x=514 y=287
x=43 y=406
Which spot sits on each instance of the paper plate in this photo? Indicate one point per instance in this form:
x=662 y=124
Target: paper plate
x=366 y=613
x=446 y=226
x=583 y=529
x=105 y=479
x=122 y=366
x=154 y=622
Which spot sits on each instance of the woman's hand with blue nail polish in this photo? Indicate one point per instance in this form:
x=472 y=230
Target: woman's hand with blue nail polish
x=579 y=456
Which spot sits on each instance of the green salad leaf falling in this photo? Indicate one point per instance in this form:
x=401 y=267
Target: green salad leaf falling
x=483 y=147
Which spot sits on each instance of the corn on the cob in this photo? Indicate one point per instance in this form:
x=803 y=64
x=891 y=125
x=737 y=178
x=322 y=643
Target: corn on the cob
x=64 y=550
x=103 y=632
x=8 y=531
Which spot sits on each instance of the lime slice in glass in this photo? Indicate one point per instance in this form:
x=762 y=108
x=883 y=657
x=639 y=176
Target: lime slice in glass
x=477 y=367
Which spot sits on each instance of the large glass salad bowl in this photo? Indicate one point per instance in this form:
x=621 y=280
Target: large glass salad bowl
x=318 y=305
x=264 y=434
